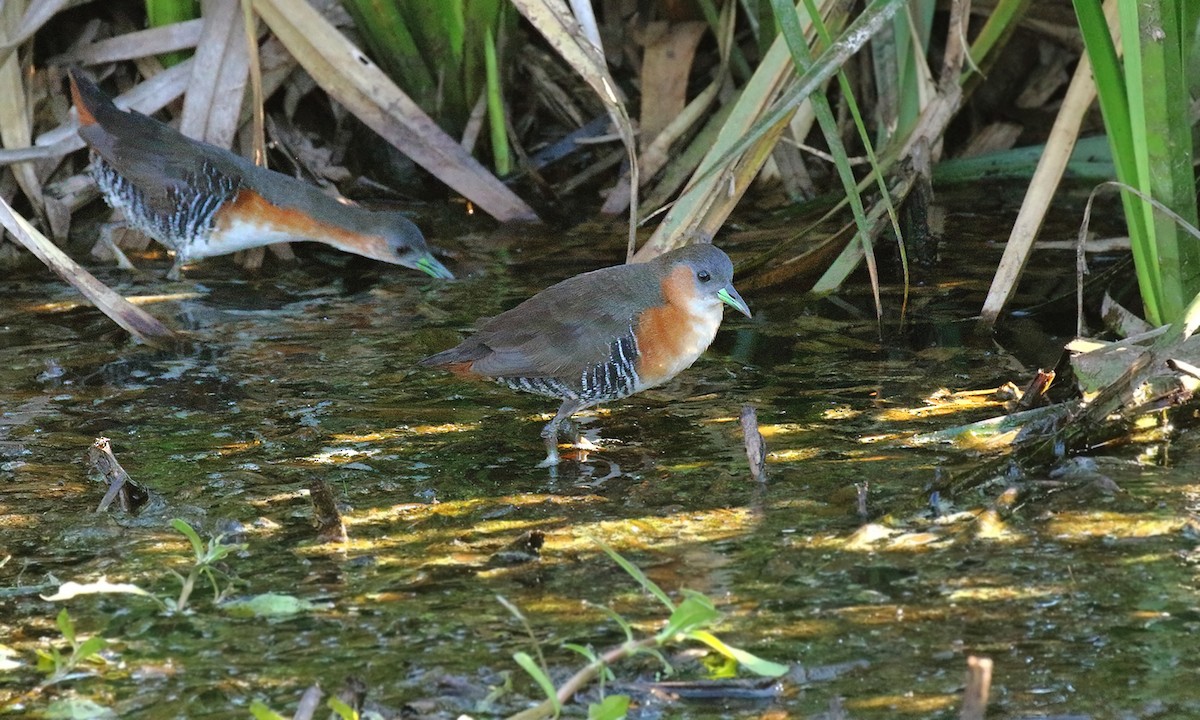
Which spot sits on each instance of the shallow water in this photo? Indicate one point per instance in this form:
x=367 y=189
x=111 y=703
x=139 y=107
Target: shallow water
x=1085 y=599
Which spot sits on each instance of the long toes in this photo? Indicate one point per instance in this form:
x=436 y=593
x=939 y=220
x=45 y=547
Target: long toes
x=584 y=444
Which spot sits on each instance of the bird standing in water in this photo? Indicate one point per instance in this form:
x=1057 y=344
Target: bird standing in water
x=605 y=334
x=201 y=200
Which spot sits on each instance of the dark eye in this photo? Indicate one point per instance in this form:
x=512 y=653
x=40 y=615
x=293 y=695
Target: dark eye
x=703 y=276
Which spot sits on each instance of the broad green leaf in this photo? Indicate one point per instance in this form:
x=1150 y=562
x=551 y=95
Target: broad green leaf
x=65 y=626
x=261 y=712
x=721 y=667
x=267 y=605
x=197 y=545
x=218 y=551
x=77 y=708
x=89 y=647
x=695 y=611
x=613 y=707
x=753 y=663
x=46 y=661
x=344 y=711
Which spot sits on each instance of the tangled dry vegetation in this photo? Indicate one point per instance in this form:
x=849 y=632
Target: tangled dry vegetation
x=720 y=103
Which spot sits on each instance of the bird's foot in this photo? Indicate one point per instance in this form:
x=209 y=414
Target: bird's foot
x=582 y=443
x=107 y=248
x=574 y=430
x=551 y=460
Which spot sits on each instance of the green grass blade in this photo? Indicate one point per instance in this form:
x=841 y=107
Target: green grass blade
x=387 y=35
x=440 y=31
x=790 y=27
x=1144 y=101
x=541 y=678
x=737 y=59
x=483 y=18
x=495 y=103
x=636 y=573
x=1114 y=106
x=1138 y=161
x=1001 y=23
x=901 y=72
x=694 y=210
x=169 y=12
x=1159 y=108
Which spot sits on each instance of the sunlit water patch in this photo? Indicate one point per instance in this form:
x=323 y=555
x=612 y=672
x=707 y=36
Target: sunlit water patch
x=1084 y=597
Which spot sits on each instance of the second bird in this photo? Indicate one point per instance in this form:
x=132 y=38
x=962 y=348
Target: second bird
x=605 y=334
x=201 y=200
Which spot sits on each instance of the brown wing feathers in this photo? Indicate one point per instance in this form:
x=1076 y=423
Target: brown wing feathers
x=566 y=327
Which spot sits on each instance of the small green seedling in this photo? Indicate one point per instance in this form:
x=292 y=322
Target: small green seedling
x=688 y=619
x=207 y=555
x=57 y=665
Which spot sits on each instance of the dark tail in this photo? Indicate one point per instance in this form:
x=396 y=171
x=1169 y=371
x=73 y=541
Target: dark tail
x=88 y=98
x=443 y=358
x=457 y=359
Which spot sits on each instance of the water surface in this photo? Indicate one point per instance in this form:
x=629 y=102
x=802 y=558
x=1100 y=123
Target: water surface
x=1084 y=598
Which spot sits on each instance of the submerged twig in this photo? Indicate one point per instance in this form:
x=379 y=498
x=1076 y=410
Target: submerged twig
x=101 y=459
x=309 y=703
x=756 y=447
x=862 y=491
x=979 y=683
x=761 y=688
x=330 y=526
x=138 y=322
x=1034 y=393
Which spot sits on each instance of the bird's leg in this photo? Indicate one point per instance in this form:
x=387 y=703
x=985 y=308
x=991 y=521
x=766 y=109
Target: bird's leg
x=578 y=440
x=550 y=432
x=176 y=267
x=107 y=242
x=571 y=428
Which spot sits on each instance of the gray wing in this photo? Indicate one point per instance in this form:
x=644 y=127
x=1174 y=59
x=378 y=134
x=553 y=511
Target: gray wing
x=567 y=327
x=162 y=164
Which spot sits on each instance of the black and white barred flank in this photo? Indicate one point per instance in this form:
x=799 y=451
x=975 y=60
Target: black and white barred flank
x=194 y=204
x=616 y=377
x=611 y=379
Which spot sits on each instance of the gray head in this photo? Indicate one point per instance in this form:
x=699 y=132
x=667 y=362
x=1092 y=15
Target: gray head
x=711 y=271
x=395 y=239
